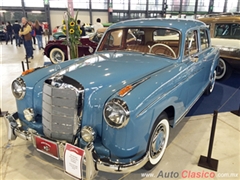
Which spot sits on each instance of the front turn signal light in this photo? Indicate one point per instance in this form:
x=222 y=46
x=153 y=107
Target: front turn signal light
x=27 y=71
x=125 y=90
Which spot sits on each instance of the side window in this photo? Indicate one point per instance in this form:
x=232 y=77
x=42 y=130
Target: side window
x=230 y=31
x=113 y=40
x=204 y=39
x=222 y=30
x=191 y=43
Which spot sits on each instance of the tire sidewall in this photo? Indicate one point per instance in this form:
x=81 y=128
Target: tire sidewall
x=162 y=119
x=224 y=67
x=51 y=55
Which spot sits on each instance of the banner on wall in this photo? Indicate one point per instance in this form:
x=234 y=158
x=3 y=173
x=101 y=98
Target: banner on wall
x=70 y=7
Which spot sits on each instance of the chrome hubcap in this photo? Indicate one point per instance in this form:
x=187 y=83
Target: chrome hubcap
x=221 y=68
x=57 y=56
x=213 y=81
x=158 y=140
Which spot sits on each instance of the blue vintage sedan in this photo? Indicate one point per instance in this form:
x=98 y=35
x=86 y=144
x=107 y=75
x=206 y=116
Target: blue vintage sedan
x=119 y=103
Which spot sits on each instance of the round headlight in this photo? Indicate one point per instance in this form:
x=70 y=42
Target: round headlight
x=18 y=88
x=116 y=113
x=88 y=134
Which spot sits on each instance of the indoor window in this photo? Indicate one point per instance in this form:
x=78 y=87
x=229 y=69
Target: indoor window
x=58 y=3
x=11 y=3
x=120 y=5
x=99 y=4
x=228 y=31
x=31 y=3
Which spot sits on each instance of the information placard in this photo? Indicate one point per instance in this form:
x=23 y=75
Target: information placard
x=73 y=161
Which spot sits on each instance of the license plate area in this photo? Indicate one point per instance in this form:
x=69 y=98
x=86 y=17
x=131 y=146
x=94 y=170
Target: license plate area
x=47 y=147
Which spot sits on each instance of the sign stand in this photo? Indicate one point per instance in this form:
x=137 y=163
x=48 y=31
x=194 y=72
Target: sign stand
x=208 y=162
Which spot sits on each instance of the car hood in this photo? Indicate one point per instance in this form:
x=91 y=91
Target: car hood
x=110 y=70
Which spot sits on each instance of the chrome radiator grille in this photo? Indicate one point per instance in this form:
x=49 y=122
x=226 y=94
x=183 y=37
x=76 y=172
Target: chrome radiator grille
x=60 y=111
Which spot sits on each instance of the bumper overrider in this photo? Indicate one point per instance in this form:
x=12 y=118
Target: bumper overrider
x=93 y=165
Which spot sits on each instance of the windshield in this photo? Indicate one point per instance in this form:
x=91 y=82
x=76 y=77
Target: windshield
x=157 y=41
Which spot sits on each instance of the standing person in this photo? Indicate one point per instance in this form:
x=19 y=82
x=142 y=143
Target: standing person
x=33 y=33
x=9 y=32
x=4 y=30
x=39 y=31
x=16 y=28
x=81 y=27
x=27 y=38
x=98 y=25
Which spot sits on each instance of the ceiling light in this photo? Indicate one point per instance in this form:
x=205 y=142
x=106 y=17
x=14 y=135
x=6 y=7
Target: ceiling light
x=37 y=12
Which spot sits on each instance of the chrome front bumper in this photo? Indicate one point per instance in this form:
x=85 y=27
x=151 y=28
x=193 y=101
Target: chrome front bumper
x=92 y=165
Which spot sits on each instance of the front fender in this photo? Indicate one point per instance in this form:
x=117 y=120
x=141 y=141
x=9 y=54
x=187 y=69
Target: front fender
x=146 y=102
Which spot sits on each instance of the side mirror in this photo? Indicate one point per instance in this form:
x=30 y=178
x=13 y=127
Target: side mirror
x=194 y=58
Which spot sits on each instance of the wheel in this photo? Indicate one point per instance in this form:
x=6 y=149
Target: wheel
x=164 y=45
x=223 y=70
x=56 y=56
x=211 y=85
x=158 y=141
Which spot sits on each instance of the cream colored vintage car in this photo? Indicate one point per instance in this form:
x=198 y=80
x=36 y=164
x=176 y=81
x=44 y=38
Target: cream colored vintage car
x=225 y=34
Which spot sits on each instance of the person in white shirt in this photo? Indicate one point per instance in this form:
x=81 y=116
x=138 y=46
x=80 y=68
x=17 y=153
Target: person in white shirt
x=98 y=25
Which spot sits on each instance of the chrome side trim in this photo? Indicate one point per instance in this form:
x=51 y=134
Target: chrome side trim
x=135 y=85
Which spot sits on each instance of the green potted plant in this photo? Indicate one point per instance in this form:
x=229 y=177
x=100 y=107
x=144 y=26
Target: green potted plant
x=71 y=29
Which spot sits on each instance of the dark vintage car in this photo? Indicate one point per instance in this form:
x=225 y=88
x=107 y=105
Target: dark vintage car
x=225 y=34
x=57 y=51
x=116 y=106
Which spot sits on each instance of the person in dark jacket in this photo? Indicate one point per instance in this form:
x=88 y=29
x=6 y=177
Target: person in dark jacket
x=39 y=31
x=9 y=32
x=16 y=28
x=81 y=27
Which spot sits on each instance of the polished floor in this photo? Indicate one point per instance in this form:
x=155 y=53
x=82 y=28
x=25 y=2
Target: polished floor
x=189 y=140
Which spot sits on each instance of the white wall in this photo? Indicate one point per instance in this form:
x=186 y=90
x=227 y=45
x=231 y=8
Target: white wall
x=57 y=17
x=102 y=15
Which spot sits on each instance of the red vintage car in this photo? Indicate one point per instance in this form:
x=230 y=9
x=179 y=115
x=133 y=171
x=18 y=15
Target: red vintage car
x=57 y=51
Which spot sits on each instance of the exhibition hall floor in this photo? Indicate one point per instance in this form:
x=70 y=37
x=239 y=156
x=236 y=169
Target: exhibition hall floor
x=189 y=140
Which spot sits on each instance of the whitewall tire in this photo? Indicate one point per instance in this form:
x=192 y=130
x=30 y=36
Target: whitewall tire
x=211 y=84
x=56 y=56
x=223 y=70
x=158 y=141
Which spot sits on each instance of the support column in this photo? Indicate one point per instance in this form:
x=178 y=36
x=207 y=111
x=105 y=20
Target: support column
x=225 y=6
x=129 y=9
x=47 y=14
x=164 y=8
x=210 y=8
x=110 y=10
x=23 y=8
x=147 y=7
x=238 y=6
x=90 y=11
x=195 y=10
x=180 y=8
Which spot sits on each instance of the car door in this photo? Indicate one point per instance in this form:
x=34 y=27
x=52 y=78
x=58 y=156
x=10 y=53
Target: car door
x=205 y=54
x=193 y=58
